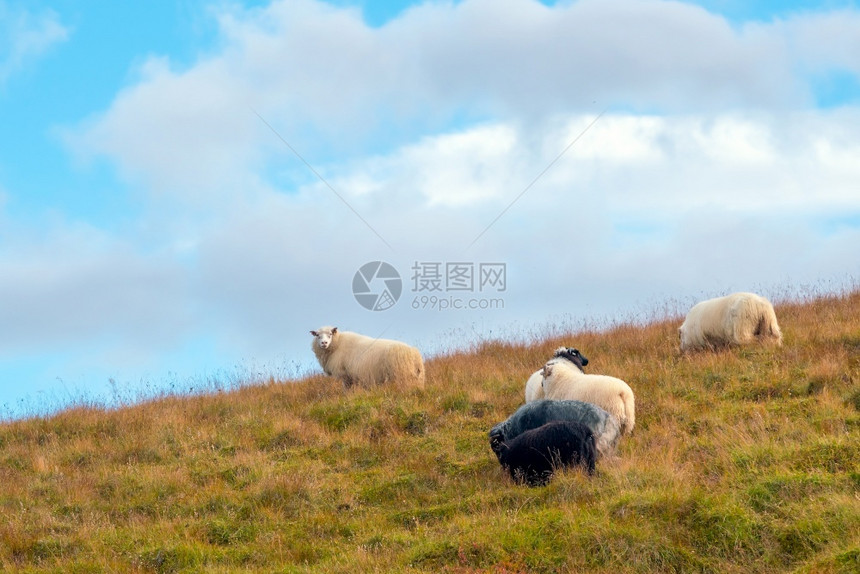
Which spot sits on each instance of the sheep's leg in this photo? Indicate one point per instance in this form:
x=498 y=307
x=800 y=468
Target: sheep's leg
x=589 y=465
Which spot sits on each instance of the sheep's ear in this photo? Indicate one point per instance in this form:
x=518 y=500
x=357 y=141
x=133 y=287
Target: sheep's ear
x=315 y=334
x=333 y=330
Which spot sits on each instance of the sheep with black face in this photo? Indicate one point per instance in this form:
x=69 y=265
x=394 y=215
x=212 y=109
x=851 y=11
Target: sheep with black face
x=534 y=388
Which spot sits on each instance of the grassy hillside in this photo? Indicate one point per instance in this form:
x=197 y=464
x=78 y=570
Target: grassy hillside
x=745 y=460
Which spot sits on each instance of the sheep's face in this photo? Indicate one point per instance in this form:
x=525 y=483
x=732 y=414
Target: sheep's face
x=324 y=336
x=571 y=354
x=576 y=354
x=497 y=443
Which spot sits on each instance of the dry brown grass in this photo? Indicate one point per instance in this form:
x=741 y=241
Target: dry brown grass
x=743 y=460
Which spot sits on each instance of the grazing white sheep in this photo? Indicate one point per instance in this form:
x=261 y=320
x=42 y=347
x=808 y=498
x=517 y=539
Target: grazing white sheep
x=534 y=389
x=735 y=319
x=563 y=380
x=361 y=360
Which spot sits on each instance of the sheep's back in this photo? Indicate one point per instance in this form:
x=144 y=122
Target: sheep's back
x=563 y=387
x=386 y=360
x=542 y=411
x=731 y=319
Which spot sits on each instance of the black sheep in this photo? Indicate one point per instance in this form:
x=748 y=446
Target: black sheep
x=537 y=413
x=532 y=456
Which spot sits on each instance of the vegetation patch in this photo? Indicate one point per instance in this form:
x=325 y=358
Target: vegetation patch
x=340 y=416
x=848 y=561
x=853 y=400
x=743 y=460
x=776 y=493
x=639 y=552
x=445 y=555
x=412 y=518
x=414 y=423
x=221 y=532
x=164 y=560
x=801 y=539
x=405 y=489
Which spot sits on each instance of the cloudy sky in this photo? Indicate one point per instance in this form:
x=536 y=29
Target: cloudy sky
x=187 y=188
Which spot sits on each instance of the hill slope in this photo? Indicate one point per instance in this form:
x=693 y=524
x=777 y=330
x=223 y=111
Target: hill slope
x=745 y=460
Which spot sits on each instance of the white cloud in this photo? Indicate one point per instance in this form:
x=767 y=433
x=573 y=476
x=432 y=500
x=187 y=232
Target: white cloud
x=184 y=134
x=74 y=285
x=332 y=86
x=453 y=169
x=625 y=139
x=824 y=41
x=643 y=164
x=24 y=37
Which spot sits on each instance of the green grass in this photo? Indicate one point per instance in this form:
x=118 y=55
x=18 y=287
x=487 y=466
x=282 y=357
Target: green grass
x=743 y=460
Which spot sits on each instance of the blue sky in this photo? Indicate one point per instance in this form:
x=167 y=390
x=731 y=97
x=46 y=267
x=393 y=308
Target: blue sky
x=157 y=231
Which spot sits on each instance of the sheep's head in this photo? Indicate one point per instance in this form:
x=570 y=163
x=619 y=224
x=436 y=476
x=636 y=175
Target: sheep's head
x=324 y=336
x=497 y=442
x=573 y=355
